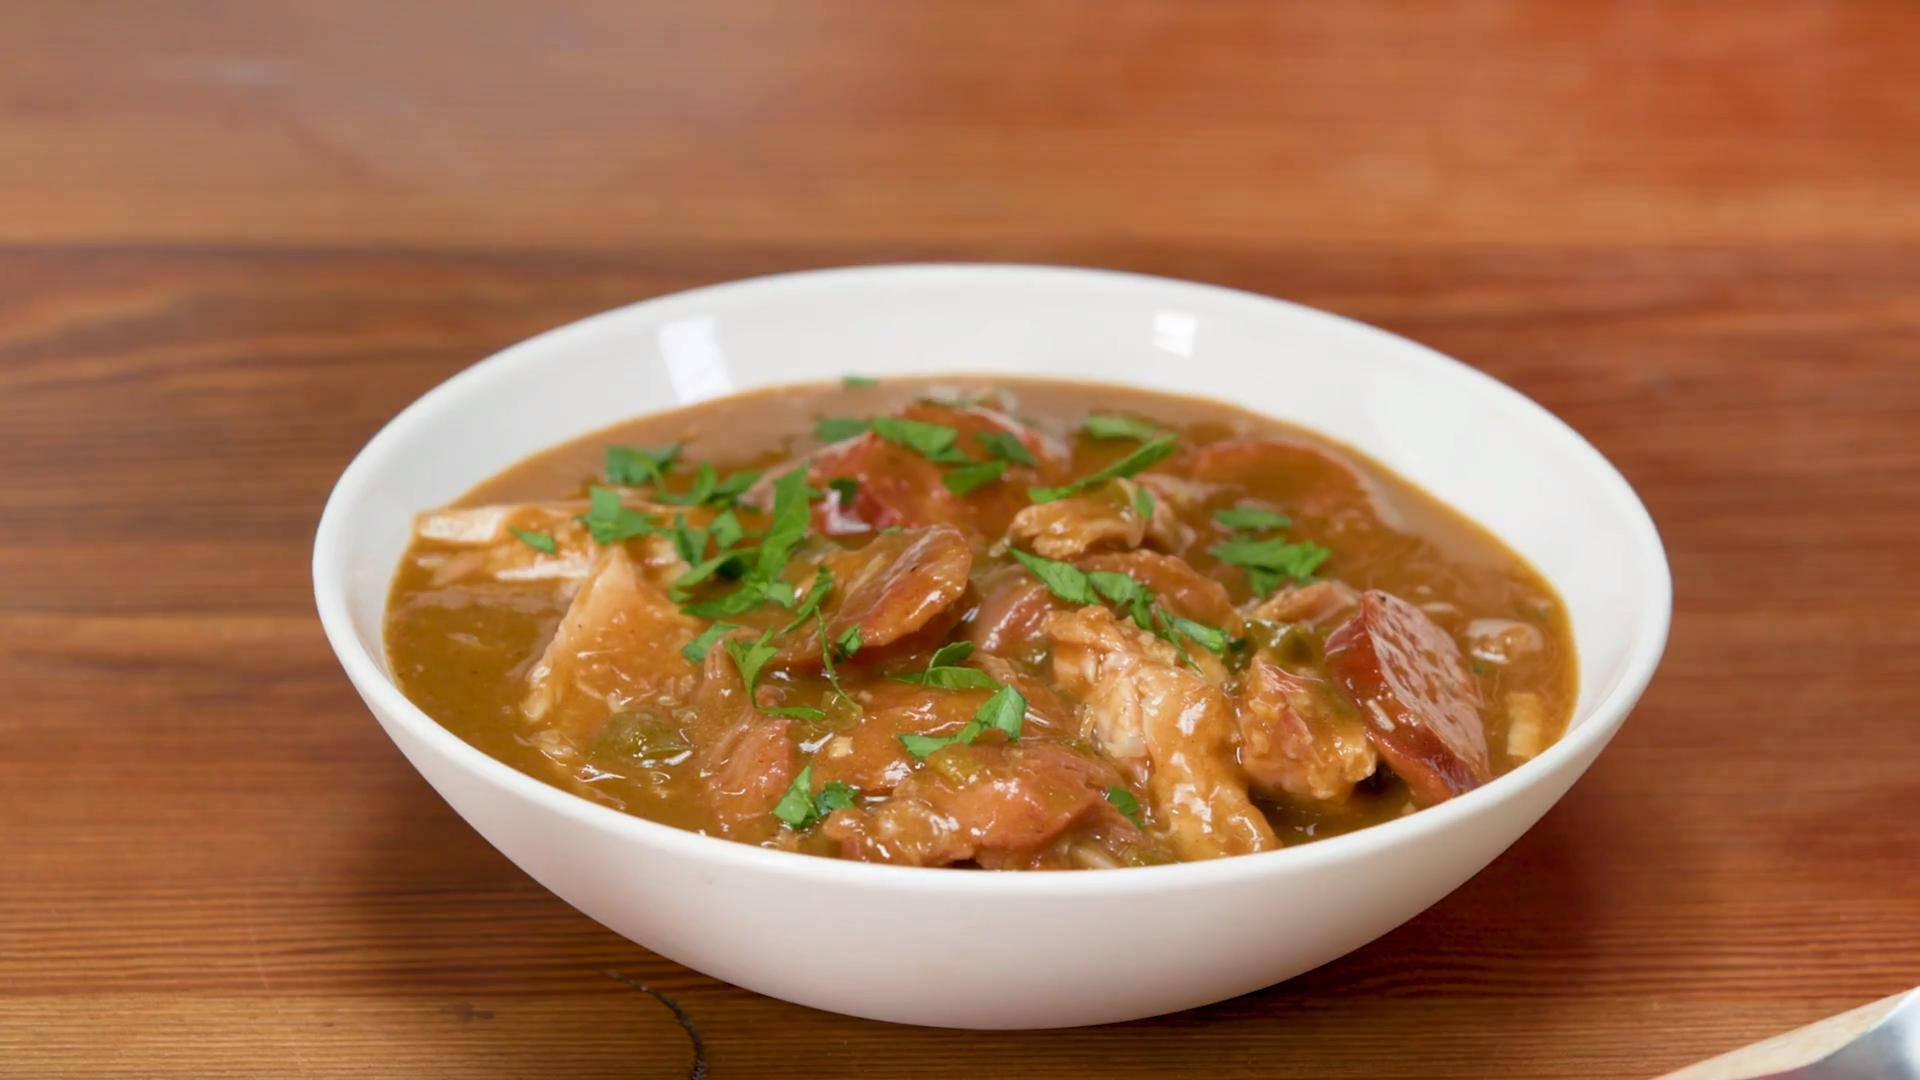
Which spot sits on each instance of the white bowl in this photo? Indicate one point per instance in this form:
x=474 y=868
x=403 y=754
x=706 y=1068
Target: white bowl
x=1005 y=950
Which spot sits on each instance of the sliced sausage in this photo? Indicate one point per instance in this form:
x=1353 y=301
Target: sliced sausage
x=891 y=588
x=1406 y=677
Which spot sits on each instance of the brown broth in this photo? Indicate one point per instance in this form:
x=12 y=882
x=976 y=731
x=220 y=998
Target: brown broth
x=462 y=651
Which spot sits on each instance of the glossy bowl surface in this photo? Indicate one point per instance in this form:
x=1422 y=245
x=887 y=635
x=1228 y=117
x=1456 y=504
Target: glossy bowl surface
x=985 y=950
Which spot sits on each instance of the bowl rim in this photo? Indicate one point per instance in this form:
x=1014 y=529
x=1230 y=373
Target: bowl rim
x=1649 y=634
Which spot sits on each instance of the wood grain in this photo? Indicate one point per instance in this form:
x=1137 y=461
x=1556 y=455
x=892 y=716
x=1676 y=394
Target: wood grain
x=235 y=239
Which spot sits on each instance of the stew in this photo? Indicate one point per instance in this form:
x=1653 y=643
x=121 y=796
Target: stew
x=1000 y=623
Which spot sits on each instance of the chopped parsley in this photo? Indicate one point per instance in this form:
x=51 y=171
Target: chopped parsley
x=1110 y=426
x=810 y=603
x=751 y=657
x=1207 y=637
x=1123 y=801
x=609 y=521
x=1255 y=518
x=1077 y=586
x=966 y=478
x=931 y=441
x=945 y=673
x=709 y=488
x=1064 y=580
x=858 y=382
x=696 y=650
x=827 y=649
x=847 y=644
x=1005 y=711
x=726 y=530
x=846 y=487
x=1268 y=562
x=833 y=429
x=761 y=580
x=800 y=807
x=1146 y=455
x=538 y=541
x=1143 y=502
x=638 y=465
x=1006 y=447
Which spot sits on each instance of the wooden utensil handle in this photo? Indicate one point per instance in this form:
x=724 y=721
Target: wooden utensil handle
x=1792 y=1049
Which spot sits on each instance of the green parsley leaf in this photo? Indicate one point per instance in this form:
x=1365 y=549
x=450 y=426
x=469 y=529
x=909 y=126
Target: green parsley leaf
x=696 y=650
x=788 y=526
x=944 y=673
x=781 y=592
x=1005 y=710
x=922 y=745
x=799 y=807
x=1163 y=629
x=639 y=465
x=750 y=595
x=954 y=678
x=798 y=712
x=751 y=657
x=690 y=543
x=857 y=382
x=1208 y=638
x=1143 y=502
x=966 y=478
x=705 y=480
x=1110 y=426
x=726 y=530
x=796 y=806
x=816 y=592
x=538 y=541
x=610 y=521
x=1064 y=580
x=707 y=568
x=732 y=486
x=1005 y=446
x=847 y=644
x=1264 y=581
x=1123 y=801
x=846 y=487
x=953 y=652
x=931 y=441
x=1118 y=588
x=1251 y=517
x=834 y=795
x=1276 y=557
x=826 y=655
x=833 y=429
x=1148 y=454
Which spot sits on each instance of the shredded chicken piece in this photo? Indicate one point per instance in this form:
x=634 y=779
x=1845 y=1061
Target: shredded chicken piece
x=617 y=646
x=1318 y=605
x=1296 y=742
x=1164 y=721
x=1105 y=518
x=746 y=757
x=486 y=547
x=1502 y=641
x=1526 y=725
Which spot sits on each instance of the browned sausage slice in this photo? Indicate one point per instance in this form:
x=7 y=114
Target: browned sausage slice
x=1422 y=709
x=892 y=587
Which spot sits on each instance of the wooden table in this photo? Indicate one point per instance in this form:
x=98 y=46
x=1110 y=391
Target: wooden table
x=235 y=238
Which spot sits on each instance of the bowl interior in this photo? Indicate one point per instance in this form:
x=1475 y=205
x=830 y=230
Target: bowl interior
x=1469 y=440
